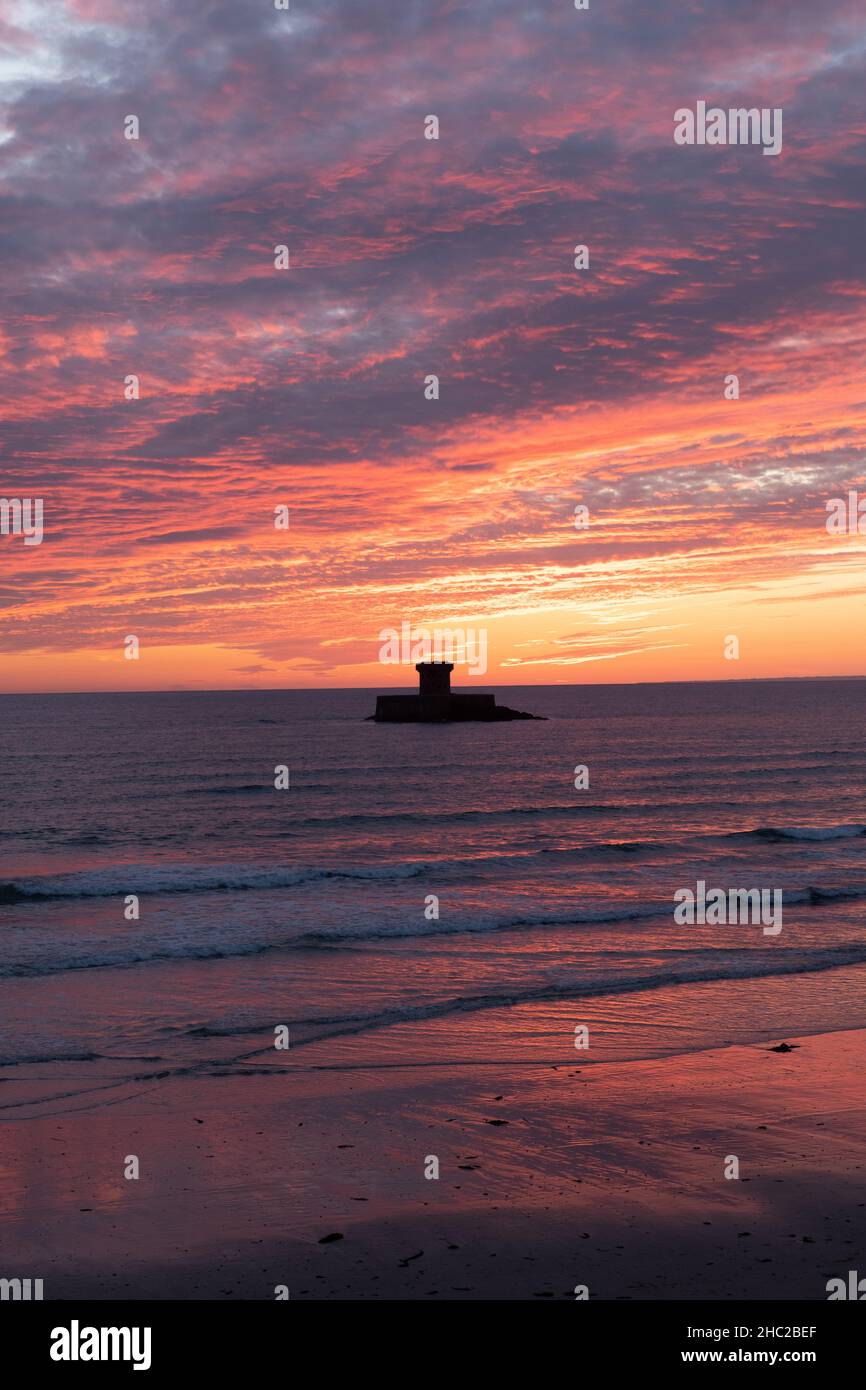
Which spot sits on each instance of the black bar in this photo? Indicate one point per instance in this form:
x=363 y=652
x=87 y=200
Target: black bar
x=223 y=1339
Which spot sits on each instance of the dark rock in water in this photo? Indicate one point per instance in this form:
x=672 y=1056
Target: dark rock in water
x=334 y=1235
x=435 y=702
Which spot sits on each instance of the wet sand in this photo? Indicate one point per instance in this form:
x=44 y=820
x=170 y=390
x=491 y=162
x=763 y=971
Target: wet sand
x=609 y=1175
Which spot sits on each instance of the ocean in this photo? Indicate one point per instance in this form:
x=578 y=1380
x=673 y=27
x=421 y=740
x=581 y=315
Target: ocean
x=423 y=894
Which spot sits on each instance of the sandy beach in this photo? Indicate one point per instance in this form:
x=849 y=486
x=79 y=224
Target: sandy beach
x=609 y=1175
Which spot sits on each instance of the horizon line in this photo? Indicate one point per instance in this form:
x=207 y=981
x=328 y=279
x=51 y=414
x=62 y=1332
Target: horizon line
x=324 y=689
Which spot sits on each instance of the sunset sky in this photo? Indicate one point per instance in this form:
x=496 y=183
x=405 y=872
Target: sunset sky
x=408 y=257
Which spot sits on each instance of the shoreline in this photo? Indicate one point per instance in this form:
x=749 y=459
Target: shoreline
x=609 y=1175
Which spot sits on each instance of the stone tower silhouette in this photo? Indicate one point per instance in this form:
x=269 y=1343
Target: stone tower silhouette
x=435 y=677
x=435 y=702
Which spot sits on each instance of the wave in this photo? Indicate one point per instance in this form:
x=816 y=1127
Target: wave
x=112 y=958
x=535 y=813
x=575 y=811
x=118 y=880
x=121 y=879
x=686 y=968
x=478 y=814
x=246 y=787
x=37 y=1058
x=622 y=911
x=820 y=832
x=749 y=965
x=701 y=967
x=125 y=959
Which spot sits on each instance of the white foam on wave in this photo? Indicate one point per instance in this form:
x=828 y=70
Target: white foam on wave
x=192 y=878
x=822 y=832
